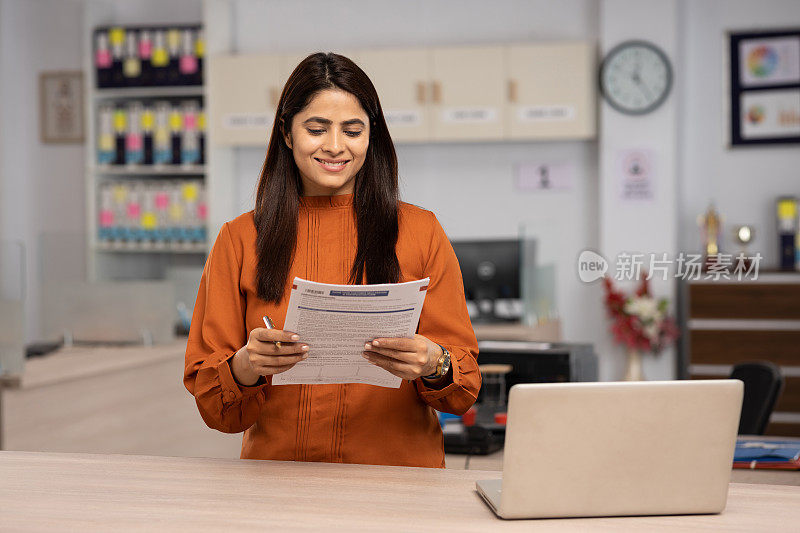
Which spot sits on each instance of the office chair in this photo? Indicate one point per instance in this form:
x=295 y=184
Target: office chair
x=763 y=382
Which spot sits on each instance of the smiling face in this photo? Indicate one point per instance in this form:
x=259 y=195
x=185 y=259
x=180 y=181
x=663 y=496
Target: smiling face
x=329 y=140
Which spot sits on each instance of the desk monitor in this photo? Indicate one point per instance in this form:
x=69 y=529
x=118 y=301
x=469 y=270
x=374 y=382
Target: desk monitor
x=491 y=270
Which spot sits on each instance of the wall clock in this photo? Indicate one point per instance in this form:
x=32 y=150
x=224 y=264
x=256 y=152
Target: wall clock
x=635 y=77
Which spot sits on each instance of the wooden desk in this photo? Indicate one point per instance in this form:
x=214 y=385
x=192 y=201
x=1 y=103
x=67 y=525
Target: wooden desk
x=82 y=362
x=53 y=491
x=77 y=362
x=546 y=332
x=109 y=400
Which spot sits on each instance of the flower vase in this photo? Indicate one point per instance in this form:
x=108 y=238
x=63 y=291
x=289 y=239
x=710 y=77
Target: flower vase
x=633 y=372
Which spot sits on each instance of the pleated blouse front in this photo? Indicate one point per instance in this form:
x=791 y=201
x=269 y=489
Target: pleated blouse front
x=351 y=423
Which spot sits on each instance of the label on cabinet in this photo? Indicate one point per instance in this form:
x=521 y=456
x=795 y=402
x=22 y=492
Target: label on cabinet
x=540 y=113
x=469 y=115
x=240 y=121
x=402 y=117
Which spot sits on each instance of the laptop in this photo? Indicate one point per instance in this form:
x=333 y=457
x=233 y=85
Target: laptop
x=617 y=449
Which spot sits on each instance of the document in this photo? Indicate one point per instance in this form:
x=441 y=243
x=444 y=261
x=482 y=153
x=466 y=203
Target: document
x=337 y=320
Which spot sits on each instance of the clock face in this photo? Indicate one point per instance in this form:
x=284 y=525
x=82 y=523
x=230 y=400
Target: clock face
x=635 y=77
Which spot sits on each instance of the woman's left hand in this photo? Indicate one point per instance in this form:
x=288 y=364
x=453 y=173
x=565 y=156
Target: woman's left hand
x=405 y=358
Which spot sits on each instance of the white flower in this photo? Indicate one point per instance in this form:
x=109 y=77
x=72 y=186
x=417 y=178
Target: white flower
x=643 y=307
x=651 y=331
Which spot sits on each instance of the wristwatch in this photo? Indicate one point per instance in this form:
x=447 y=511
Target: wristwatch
x=442 y=365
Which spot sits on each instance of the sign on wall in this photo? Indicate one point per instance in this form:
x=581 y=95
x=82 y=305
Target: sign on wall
x=636 y=175
x=765 y=87
x=545 y=176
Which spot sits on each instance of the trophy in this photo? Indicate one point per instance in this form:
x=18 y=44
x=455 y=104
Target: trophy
x=711 y=224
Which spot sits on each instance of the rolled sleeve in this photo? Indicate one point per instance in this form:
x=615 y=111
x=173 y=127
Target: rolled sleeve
x=445 y=320
x=217 y=332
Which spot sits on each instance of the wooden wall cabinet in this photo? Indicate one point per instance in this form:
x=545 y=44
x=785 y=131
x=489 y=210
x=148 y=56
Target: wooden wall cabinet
x=544 y=91
x=401 y=78
x=730 y=322
x=244 y=92
x=551 y=91
x=468 y=93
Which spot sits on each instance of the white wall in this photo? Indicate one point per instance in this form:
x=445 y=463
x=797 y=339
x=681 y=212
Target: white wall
x=743 y=182
x=155 y=12
x=645 y=226
x=686 y=134
x=470 y=187
x=314 y=25
x=689 y=137
x=41 y=185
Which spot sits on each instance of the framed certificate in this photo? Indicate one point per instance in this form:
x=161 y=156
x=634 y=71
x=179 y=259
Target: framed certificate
x=764 y=87
x=61 y=107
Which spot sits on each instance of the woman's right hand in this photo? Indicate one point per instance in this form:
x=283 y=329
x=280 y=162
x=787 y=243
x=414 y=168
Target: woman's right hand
x=262 y=357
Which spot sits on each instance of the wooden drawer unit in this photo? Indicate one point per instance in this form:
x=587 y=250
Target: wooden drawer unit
x=728 y=322
x=731 y=346
x=748 y=300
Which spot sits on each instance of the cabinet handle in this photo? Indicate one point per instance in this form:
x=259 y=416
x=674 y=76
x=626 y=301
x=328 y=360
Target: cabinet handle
x=436 y=88
x=512 y=91
x=421 y=92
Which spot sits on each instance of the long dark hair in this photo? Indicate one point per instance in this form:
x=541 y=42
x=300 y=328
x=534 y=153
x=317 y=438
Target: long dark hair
x=375 y=194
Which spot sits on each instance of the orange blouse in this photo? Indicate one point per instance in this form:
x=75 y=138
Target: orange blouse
x=349 y=423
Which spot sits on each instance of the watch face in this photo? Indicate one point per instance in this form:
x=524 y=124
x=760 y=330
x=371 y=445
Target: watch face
x=446 y=363
x=635 y=77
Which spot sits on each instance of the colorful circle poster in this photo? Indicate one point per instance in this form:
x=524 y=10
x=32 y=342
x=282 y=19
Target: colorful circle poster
x=769 y=61
x=764 y=87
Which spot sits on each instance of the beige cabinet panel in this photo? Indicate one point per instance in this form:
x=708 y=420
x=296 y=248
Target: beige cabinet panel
x=243 y=94
x=288 y=63
x=468 y=92
x=551 y=91
x=402 y=80
x=523 y=92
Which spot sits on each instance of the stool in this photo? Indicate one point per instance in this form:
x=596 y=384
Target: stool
x=494 y=391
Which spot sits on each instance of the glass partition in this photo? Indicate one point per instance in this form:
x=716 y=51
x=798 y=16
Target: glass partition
x=12 y=307
x=540 y=248
x=135 y=312
x=135 y=302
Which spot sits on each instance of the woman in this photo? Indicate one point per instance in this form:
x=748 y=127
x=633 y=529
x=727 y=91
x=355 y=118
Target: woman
x=327 y=210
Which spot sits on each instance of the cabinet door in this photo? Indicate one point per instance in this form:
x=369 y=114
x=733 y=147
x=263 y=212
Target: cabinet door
x=552 y=91
x=243 y=92
x=288 y=63
x=401 y=78
x=468 y=92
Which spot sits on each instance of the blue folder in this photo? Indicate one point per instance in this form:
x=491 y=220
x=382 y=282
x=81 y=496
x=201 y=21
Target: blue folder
x=767 y=454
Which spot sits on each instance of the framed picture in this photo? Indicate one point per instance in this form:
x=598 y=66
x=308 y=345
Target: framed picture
x=764 y=87
x=61 y=117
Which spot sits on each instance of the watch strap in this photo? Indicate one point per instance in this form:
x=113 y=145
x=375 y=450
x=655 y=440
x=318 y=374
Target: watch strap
x=438 y=374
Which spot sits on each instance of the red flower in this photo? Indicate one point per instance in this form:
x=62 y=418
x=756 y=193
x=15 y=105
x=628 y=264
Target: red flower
x=633 y=331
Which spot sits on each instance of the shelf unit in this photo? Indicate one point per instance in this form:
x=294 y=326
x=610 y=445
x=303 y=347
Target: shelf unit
x=147 y=92
x=149 y=170
x=727 y=322
x=126 y=260
x=194 y=248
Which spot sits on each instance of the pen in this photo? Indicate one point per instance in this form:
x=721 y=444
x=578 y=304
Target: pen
x=269 y=325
